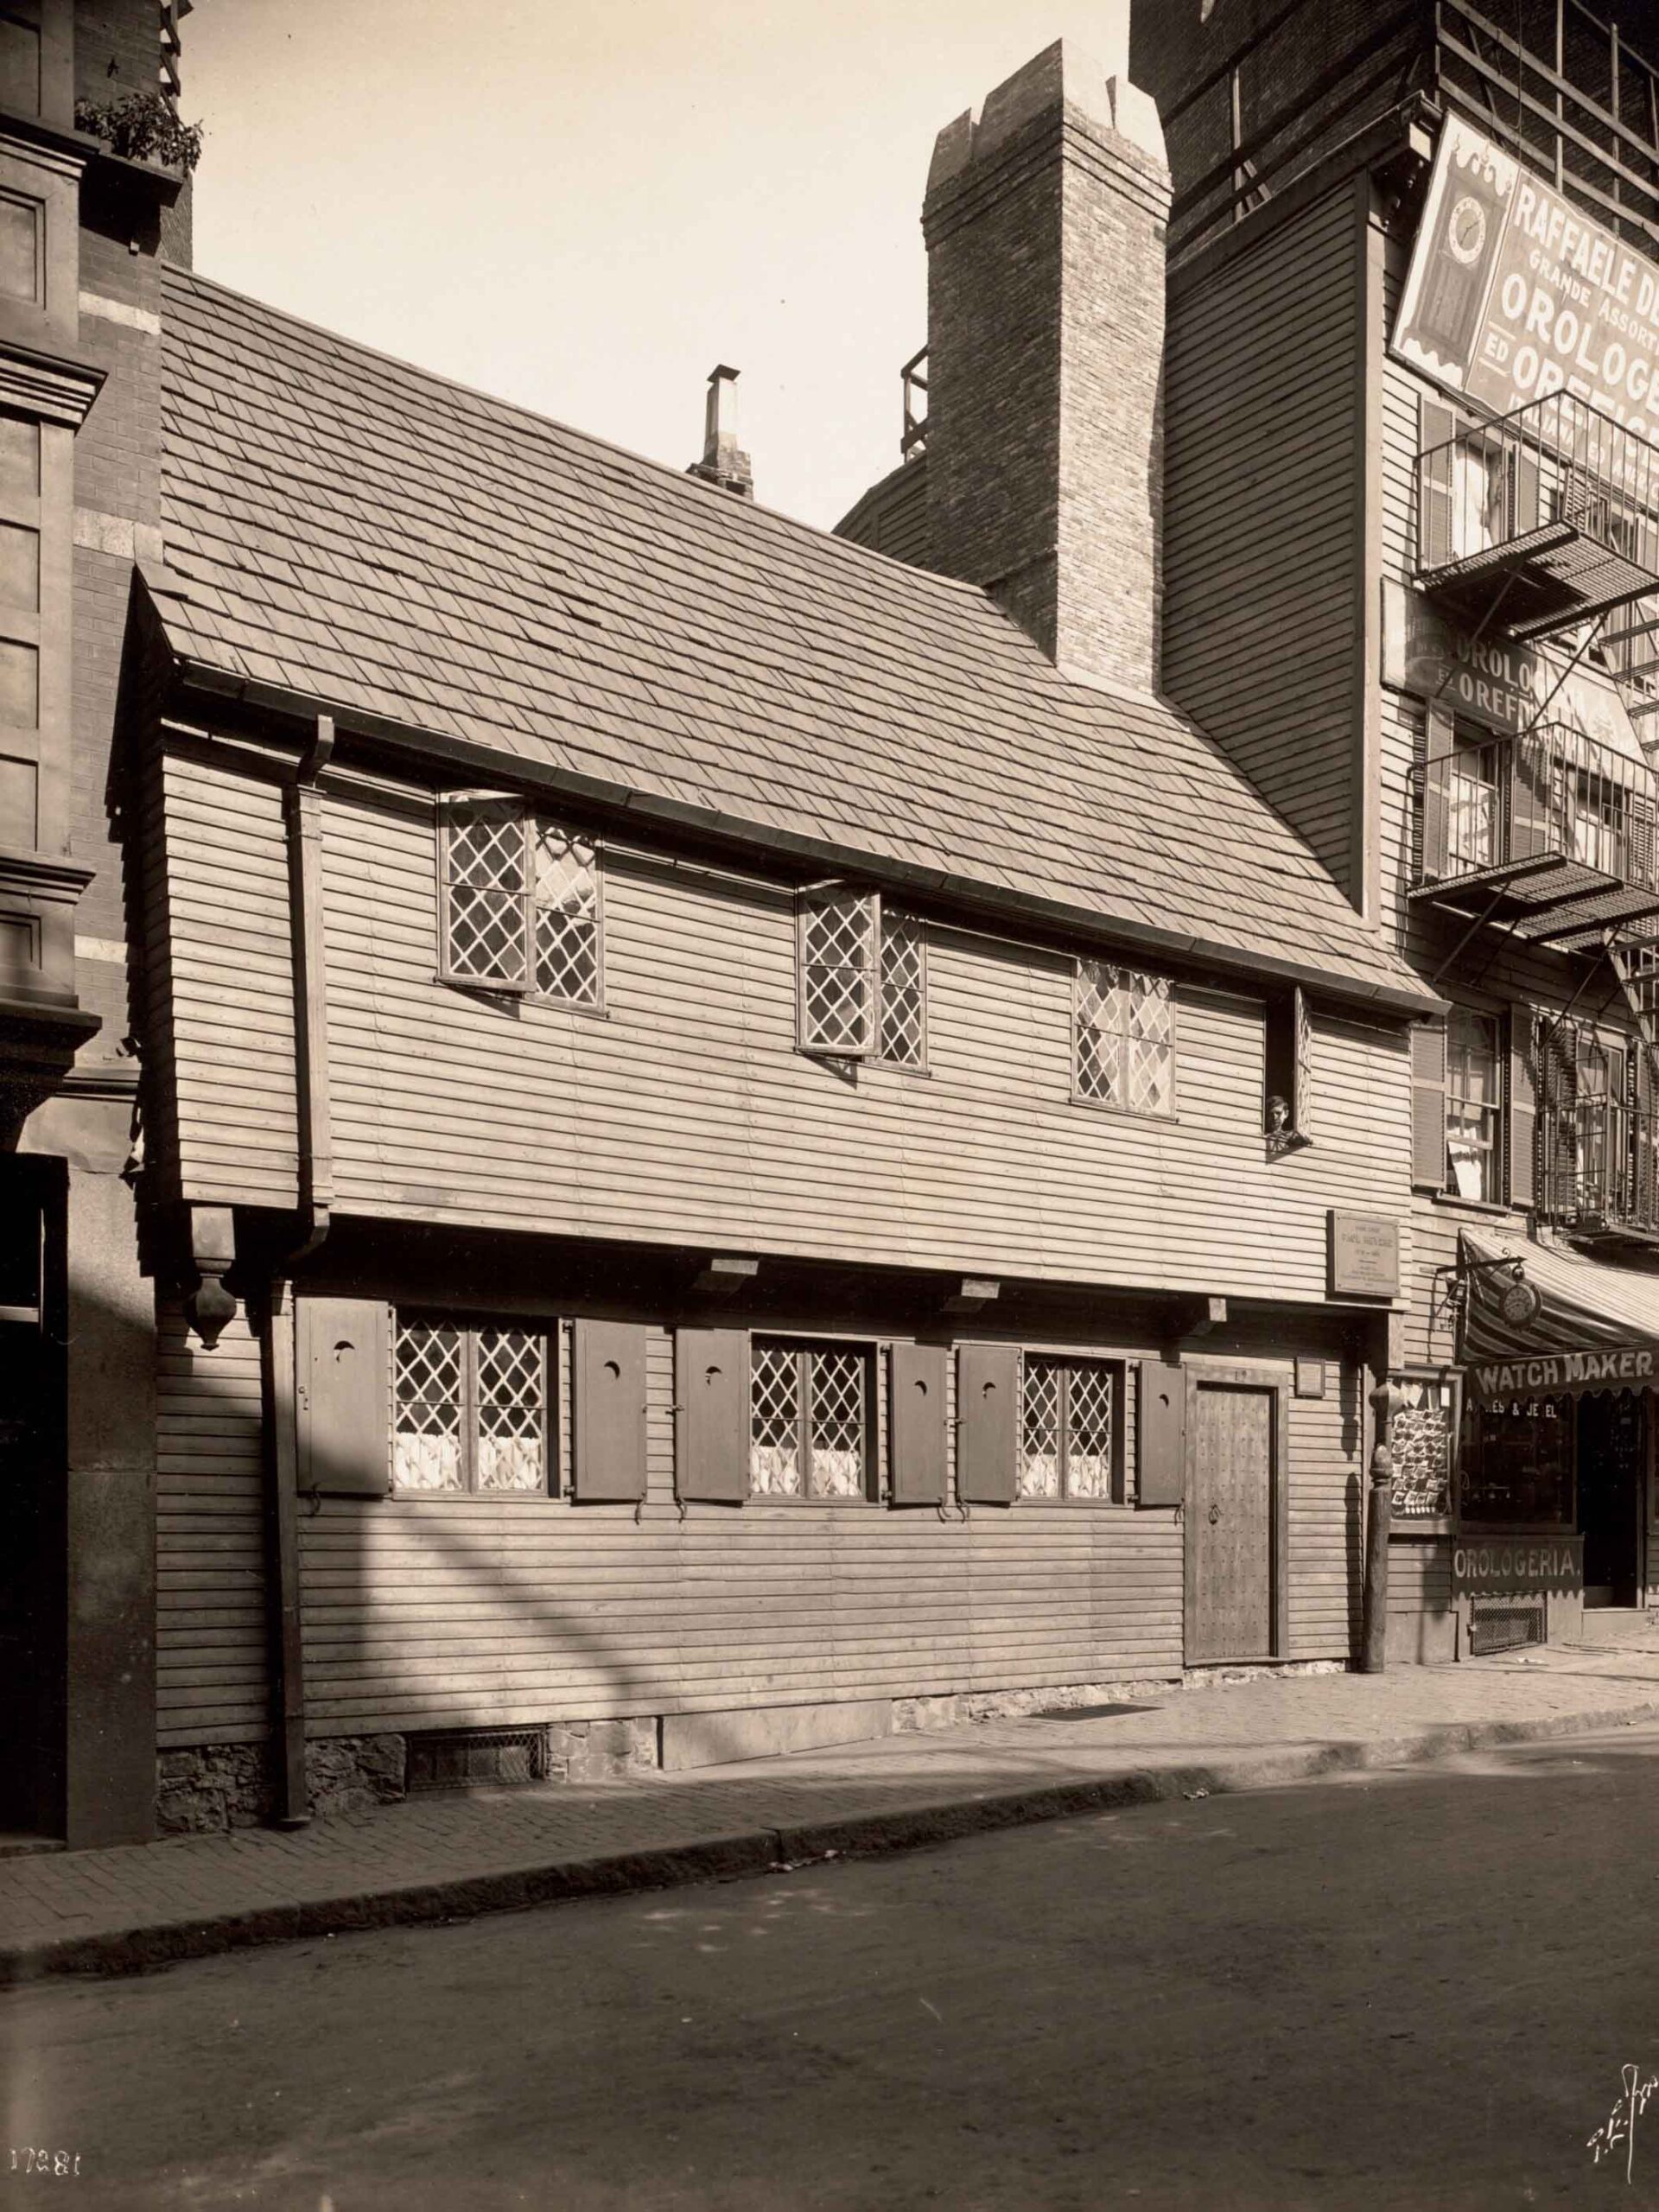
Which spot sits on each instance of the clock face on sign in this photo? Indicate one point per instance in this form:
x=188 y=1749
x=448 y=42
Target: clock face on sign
x=1466 y=231
x=1520 y=1302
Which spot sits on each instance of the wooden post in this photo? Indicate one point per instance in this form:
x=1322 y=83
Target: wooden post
x=1379 y=1515
x=293 y=1803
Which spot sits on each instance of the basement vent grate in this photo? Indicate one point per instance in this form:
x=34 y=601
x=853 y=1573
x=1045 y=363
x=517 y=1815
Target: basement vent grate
x=1504 y=1627
x=475 y=1759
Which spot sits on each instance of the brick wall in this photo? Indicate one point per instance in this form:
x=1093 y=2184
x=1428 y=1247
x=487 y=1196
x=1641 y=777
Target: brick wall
x=1044 y=226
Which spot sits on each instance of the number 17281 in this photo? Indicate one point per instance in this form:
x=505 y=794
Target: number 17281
x=30 y=2161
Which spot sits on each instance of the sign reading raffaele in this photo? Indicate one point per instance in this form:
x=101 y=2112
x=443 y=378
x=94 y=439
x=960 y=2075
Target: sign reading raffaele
x=1513 y=293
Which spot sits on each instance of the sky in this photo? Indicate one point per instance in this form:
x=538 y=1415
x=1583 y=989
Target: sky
x=584 y=204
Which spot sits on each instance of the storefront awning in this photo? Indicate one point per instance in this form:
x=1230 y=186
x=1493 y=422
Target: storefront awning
x=1595 y=1327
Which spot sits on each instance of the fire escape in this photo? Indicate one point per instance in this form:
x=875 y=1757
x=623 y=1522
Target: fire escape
x=1544 y=526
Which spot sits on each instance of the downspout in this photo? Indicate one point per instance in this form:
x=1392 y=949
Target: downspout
x=303 y=827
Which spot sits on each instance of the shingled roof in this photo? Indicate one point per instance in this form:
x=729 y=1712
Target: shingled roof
x=359 y=533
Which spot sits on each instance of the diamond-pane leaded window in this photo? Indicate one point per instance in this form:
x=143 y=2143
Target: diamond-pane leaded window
x=487 y=886
x=567 y=916
x=522 y=908
x=808 y=1420
x=1068 y=1429
x=469 y=1409
x=863 y=978
x=904 y=989
x=838 y=938
x=1125 y=1038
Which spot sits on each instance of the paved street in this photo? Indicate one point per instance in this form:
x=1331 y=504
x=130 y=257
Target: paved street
x=1411 y=1989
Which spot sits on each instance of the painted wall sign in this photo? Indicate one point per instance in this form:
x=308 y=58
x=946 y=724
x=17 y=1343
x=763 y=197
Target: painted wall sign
x=1494 y=682
x=1506 y=1563
x=1365 y=1254
x=1514 y=293
x=1605 y=1367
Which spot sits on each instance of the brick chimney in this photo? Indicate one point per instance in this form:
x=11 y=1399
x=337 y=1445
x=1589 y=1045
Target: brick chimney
x=724 y=461
x=1045 y=223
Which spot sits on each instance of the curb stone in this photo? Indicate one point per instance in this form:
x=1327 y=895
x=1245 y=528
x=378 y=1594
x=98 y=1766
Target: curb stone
x=734 y=1856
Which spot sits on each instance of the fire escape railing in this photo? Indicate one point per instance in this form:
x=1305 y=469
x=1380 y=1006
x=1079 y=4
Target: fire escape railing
x=1598 y=1162
x=1549 y=800
x=1540 y=519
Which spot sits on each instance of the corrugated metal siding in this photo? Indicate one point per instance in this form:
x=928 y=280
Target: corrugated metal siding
x=209 y=1575
x=685 y=1115
x=1262 y=574
x=230 y=984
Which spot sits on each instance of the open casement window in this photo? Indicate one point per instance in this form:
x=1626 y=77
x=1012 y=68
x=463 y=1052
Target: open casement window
x=1288 y=1107
x=863 y=978
x=1071 y=1412
x=469 y=1408
x=1124 y=1026
x=521 y=910
x=810 y=1419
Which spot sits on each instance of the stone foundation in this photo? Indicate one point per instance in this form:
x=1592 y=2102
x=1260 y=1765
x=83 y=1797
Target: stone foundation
x=223 y=1786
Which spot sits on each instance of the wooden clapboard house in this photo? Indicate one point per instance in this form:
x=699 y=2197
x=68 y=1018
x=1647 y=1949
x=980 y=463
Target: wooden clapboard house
x=1417 y=605
x=742 y=1140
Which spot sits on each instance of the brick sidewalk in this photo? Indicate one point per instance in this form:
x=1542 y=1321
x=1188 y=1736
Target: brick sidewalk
x=439 y=1857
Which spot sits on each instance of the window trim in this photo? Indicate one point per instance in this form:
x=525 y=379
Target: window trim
x=550 y=1334
x=869 y=1349
x=1081 y=1097
x=1066 y=1357
x=527 y=991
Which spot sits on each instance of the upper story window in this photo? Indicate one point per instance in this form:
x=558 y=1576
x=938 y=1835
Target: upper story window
x=469 y=1409
x=1125 y=1038
x=862 y=978
x=1474 y=1105
x=522 y=906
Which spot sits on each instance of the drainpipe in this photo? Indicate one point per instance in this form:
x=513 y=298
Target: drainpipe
x=302 y=824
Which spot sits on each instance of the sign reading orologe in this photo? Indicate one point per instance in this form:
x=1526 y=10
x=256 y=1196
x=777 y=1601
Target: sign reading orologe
x=1513 y=293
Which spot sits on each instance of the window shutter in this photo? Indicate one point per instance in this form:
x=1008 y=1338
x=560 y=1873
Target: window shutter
x=1521 y=1121
x=1428 y=1106
x=712 y=1389
x=1644 y=1183
x=1161 y=1433
x=1439 y=744
x=1436 y=427
x=343 y=1385
x=608 y=1410
x=988 y=1422
x=485 y=905
x=916 y=1434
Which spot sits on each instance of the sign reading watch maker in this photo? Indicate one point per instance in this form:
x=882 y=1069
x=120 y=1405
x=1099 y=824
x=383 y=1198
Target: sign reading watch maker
x=1513 y=293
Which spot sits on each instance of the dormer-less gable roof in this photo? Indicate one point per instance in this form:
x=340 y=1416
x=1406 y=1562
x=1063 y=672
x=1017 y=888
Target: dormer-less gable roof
x=344 y=529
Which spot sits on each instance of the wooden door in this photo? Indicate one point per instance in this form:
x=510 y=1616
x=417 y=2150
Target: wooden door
x=1232 y=1513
